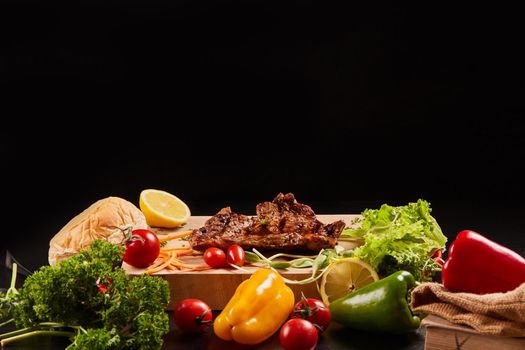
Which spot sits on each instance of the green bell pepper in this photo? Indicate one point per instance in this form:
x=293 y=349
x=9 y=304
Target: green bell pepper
x=381 y=306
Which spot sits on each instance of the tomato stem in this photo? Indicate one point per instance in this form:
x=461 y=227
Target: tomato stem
x=199 y=320
x=129 y=236
x=306 y=310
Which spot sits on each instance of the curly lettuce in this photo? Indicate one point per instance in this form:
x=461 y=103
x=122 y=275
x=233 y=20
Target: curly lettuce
x=399 y=238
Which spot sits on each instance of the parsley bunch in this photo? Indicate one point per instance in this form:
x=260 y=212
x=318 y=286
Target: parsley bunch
x=90 y=298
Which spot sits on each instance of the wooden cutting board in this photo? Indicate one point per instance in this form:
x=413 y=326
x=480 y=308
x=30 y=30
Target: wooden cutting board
x=217 y=286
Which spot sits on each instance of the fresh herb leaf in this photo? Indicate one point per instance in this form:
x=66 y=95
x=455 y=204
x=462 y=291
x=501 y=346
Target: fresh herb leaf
x=348 y=253
x=301 y=263
x=280 y=264
x=399 y=238
x=319 y=262
x=252 y=257
x=92 y=293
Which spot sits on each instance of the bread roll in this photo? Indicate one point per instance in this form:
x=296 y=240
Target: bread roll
x=99 y=221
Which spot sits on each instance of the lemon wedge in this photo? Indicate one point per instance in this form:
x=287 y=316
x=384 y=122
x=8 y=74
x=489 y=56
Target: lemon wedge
x=162 y=209
x=345 y=276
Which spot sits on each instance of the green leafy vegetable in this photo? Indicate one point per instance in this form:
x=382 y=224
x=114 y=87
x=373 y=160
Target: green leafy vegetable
x=252 y=257
x=91 y=294
x=301 y=263
x=319 y=262
x=280 y=264
x=97 y=339
x=399 y=238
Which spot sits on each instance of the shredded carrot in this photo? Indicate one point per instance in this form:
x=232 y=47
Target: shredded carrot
x=176 y=251
x=169 y=249
x=167 y=258
x=179 y=263
x=178 y=235
x=164 y=264
x=157 y=262
x=185 y=252
x=192 y=268
x=200 y=268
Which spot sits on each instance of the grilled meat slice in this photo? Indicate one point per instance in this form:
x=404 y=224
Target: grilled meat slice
x=220 y=229
x=281 y=224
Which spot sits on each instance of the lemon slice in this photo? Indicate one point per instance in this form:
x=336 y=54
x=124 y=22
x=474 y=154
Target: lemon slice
x=345 y=276
x=162 y=209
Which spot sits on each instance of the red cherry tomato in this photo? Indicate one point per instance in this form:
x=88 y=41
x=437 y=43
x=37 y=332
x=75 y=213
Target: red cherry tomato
x=440 y=261
x=142 y=248
x=192 y=315
x=437 y=254
x=313 y=310
x=235 y=255
x=298 y=334
x=215 y=257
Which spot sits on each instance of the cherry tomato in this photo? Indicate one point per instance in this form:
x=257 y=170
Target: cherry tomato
x=104 y=285
x=298 y=334
x=437 y=254
x=142 y=248
x=235 y=255
x=313 y=310
x=192 y=315
x=440 y=261
x=215 y=257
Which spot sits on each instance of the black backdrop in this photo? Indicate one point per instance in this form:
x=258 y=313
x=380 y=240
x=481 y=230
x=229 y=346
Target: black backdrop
x=230 y=102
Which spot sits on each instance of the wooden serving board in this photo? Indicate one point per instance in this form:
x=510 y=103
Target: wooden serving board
x=217 y=286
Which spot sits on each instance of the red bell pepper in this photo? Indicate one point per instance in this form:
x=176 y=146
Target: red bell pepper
x=478 y=265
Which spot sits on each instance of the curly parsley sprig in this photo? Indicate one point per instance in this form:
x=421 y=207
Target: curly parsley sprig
x=90 y=299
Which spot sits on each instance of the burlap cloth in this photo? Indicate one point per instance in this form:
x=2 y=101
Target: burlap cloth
x=495 y=314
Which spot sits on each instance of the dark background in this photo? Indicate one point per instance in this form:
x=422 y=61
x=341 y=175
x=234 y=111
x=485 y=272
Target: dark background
x=230 y=102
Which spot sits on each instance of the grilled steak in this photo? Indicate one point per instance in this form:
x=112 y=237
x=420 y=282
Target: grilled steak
x=280 y=224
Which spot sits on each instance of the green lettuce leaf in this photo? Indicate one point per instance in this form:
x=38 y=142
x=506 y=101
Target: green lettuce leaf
x=399 y=238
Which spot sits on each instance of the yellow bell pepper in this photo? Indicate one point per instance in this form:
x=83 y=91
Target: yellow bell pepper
x=258 y=308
